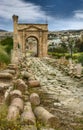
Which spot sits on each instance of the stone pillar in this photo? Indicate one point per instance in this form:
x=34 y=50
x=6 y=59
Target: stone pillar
x=40 y=44
x=46 y=43
x=23 y=43
x=39 y=48
x=15 y=22
x=44 y=53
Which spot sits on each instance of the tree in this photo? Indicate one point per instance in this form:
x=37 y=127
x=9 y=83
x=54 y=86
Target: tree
x=79 y=43
x=69 y=44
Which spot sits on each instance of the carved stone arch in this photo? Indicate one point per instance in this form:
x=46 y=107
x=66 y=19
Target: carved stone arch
x=23 y=31
x=35 y=45
x=32 y=35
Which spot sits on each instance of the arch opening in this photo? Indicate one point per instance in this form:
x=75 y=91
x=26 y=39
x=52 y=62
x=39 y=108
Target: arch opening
x=32 y=46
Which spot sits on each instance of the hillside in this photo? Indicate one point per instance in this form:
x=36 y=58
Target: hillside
x=4 y=34
x=1 y=30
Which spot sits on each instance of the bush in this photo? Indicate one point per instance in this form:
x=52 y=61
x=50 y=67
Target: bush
x=80 y=59
x=7 y=43
x=75 y=56
x=5 y=50
x=4 y=57
x=56 y=55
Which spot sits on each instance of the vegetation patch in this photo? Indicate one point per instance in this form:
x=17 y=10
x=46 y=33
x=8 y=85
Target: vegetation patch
x=4 y=123
x=5 y=51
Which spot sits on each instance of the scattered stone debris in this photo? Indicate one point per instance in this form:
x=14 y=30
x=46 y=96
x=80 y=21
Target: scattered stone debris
x=45 y=93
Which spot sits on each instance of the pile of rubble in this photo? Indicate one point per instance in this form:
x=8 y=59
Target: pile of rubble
x=23 y=104
x=70 y=67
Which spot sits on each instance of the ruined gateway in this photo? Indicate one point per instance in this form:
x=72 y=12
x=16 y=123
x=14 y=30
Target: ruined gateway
x=32 y=37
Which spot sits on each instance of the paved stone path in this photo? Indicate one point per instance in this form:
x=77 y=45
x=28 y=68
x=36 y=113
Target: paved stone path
x=63 y=89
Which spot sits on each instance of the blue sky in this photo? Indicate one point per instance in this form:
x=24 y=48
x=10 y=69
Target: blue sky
x=60 y=14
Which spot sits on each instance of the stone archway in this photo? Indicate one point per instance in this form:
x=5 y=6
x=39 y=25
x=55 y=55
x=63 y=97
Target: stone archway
x=31 y=46
x=23 y=31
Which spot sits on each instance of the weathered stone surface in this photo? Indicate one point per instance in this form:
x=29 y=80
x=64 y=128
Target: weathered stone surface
x=3 y=89
x=33 y=83
x=7 y=95
x=26 y=74
x=12 y=66
x=79 y=70
x=20 y=85
x=46 y=117
x=18 y=102
x=35 y=99
x=9 y=71
x=15 y=94
x=7 y=76
x=13 y=113
x=4 y=86
x=27 y=116
x=57 y=104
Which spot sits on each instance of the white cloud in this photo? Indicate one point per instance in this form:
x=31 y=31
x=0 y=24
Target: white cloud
x=66 y=24
x=26 y=11
x=78 y=14
x=29 y=12
x=74 y=22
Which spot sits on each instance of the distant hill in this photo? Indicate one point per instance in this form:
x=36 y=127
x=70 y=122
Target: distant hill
x=4 y=34
x=1 y=30
x=64 y=31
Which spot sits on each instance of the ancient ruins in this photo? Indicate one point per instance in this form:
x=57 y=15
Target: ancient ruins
x=41 y=92
x=23 y=33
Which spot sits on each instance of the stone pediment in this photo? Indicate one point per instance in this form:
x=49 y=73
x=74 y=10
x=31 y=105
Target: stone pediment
x=32 y=28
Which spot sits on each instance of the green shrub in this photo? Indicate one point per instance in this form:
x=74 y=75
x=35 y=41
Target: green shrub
x=5 y=50
x=56 y=55
x=7 y=43
x=67 y=56
x=4 y=57
x=75 y=56
x=80 y=59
